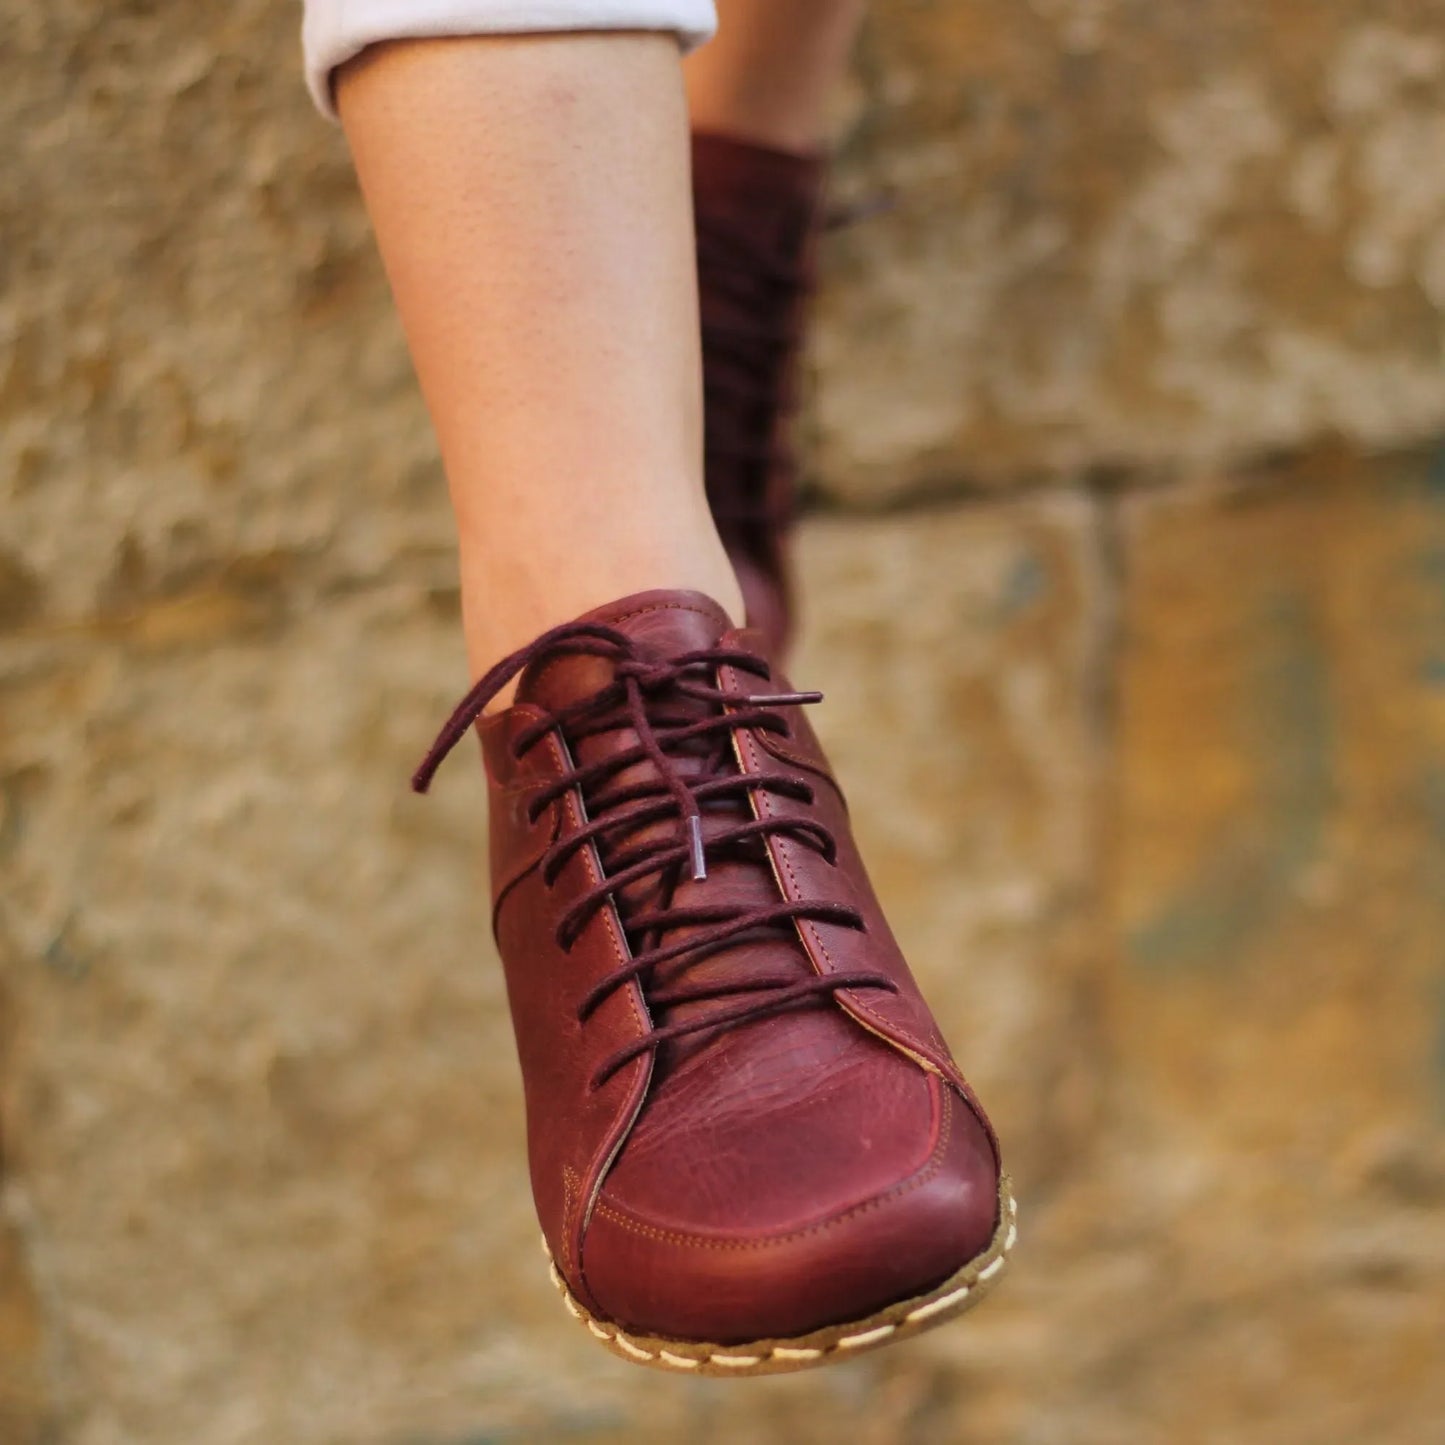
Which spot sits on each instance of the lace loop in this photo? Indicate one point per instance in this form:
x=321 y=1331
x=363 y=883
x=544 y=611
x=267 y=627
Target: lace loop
x=683 y=721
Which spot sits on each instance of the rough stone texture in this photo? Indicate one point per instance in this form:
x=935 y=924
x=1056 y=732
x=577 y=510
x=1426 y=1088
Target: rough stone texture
x=1161 y=817
x=201 y=380
x=1276 y=984
x=1134 y=232
x=265 y=1113
x=25 y=1413
x=968 y=640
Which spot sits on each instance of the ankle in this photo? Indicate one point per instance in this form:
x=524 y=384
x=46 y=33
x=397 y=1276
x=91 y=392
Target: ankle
x=508 y=601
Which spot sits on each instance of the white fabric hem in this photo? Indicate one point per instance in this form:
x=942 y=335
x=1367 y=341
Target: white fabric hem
x=335 y=30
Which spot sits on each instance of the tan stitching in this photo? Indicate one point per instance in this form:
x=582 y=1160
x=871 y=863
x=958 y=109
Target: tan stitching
x=917 y=1180
x=663 y=607
x=890 y=1029
x=594 y=873
x=779 y=849
x=985 y=1275
x=852 y=1342
x=570 y=1190
x=555 y=808
x=618 y=942
x=937 y=1307
x=636 y=1351
x=808 y=1354
x=627 y=617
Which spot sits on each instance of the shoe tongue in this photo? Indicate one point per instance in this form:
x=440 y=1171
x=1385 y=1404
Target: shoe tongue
x=664 y=624
x=661 y=623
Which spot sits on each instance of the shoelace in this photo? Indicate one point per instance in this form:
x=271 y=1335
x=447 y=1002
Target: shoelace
x=752 y=329
x=673 y=709
x=749 y=383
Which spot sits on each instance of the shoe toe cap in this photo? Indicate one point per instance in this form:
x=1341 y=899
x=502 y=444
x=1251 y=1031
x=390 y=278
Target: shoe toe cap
x=852 y=1258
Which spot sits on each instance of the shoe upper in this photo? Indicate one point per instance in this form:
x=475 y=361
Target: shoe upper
x=758 y=212
x=742 y=1119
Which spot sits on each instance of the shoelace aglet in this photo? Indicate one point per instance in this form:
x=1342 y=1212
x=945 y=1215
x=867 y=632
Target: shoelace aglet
x=694 y=844
x=783 y=699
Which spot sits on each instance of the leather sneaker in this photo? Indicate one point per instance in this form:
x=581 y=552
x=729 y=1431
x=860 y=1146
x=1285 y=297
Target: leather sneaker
x=750 y=1148
x=758 y=214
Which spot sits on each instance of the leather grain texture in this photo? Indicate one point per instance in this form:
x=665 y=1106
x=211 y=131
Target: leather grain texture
x=767 y=1178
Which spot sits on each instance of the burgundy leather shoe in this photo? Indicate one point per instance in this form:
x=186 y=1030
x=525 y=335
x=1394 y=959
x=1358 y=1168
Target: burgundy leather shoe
x=758 y=215
x=751 y=1150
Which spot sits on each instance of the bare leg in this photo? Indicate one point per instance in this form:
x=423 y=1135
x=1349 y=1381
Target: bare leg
x=531 y=199
x=769 y=75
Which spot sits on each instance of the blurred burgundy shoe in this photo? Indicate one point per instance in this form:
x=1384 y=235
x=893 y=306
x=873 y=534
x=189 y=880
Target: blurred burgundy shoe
x=750 y=1148
x=758 y=215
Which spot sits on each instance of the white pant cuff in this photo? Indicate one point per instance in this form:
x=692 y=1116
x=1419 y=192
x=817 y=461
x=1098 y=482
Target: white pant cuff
x=335 y=30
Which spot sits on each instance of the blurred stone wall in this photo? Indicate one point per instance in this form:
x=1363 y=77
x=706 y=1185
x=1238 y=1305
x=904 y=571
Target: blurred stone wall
x=1130 y=527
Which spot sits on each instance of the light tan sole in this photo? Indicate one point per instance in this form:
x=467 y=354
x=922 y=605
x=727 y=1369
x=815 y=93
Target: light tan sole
x=837 y=1342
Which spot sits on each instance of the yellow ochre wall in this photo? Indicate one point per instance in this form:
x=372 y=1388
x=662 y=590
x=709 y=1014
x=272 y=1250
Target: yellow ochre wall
x=1126 y=582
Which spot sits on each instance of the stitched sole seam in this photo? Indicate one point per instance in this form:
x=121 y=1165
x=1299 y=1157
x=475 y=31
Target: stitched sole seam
x=956 y=1294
